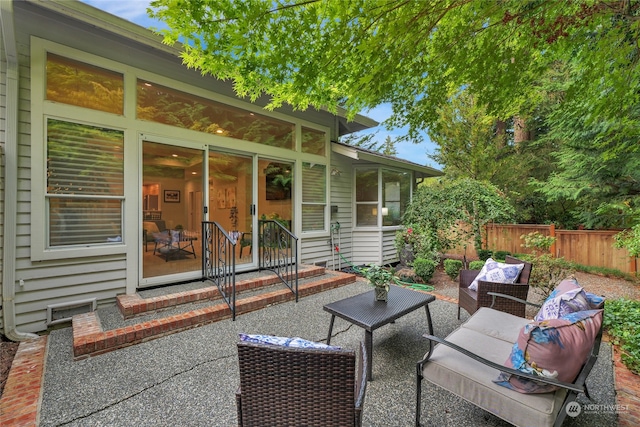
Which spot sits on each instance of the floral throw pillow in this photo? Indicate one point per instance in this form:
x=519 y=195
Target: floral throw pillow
x=285 y=341
x=568 y=297
x=554 y=349
x=497 y=272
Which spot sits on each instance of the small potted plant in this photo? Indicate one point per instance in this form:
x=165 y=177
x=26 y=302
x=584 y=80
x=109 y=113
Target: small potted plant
x=380 y=279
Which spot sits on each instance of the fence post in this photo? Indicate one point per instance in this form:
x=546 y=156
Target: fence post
x=552 y=233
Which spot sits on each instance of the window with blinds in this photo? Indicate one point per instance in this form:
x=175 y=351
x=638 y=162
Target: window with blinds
x=85 y=184
x=314 y=196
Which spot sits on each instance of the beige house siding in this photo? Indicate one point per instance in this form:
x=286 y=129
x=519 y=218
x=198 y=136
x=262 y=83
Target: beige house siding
x=41 y=283
x=3 y=102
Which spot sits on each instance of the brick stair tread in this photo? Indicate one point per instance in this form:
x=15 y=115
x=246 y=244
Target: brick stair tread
x=137 y=304
x=90 y=338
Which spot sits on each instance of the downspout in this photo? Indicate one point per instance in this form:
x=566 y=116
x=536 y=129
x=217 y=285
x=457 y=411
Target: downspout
x=10 y=176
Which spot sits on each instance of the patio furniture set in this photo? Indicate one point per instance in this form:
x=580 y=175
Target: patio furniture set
x=527 y=372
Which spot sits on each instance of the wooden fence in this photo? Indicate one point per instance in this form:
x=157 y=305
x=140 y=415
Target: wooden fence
x=586 y=247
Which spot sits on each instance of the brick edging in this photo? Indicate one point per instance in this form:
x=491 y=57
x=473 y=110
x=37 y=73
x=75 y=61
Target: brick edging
x=22 y=396
x=627 y=388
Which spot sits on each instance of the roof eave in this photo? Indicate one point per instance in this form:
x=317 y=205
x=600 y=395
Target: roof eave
x=355 y=153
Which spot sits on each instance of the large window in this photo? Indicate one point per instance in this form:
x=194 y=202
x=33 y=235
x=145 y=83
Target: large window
x=172 y=107
x=395 y=196
x=313 y=141
x=314 y=196
x=367 y=197
x=85 y=184
x=381 y=194
x=83 y=85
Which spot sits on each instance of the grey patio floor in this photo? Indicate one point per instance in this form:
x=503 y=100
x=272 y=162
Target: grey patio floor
x=189 y=378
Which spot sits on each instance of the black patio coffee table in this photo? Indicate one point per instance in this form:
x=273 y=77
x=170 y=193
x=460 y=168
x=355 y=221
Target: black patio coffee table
x=364 y=311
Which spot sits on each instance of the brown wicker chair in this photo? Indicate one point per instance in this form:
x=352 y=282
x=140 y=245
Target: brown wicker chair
x=284 y=386
x=472 y=300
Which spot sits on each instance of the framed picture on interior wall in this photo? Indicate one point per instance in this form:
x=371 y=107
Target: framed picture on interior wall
x=171 y=196
x=221 y=200
x=231 y=197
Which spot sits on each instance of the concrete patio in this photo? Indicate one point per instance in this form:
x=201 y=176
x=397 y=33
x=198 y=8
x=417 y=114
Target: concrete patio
x=189 y=378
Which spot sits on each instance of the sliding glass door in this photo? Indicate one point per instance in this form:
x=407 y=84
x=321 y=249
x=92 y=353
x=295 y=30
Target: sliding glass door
x=172 y=210
x=231 y=199
x=241 y=189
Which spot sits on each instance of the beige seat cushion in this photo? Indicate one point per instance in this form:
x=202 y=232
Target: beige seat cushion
x=497 y=324
x=473 y=381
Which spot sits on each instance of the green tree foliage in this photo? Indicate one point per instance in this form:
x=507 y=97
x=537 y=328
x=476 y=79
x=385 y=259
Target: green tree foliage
x=414 y=54
x=570 y=67
x=438 y=210
x=469 y=143
x=598 y=175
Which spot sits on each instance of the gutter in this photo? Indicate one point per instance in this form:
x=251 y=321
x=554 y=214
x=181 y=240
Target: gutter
x=10 y=176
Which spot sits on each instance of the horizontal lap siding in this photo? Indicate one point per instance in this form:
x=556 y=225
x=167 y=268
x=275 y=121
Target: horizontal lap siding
x=389 y=252
x=366 y=247
x=3 y=91
x=50 y=282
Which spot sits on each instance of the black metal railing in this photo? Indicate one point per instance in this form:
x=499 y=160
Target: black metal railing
x=219 y=261
x=279 y=252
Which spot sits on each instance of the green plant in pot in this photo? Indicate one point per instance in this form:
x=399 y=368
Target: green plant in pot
x=380 y=279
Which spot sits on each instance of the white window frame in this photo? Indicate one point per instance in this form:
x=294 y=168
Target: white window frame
x=380 y=198
x=43 y=110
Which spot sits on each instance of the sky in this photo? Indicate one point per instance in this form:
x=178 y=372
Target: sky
x=136 y=11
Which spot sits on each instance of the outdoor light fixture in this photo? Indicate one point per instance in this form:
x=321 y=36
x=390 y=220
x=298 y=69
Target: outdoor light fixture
x=385 y=211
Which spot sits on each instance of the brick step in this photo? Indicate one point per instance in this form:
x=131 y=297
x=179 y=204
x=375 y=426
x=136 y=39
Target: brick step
x=134 y=305
x=90 y=339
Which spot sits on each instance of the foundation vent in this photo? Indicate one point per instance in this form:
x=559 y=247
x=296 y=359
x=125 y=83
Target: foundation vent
x=64 y=311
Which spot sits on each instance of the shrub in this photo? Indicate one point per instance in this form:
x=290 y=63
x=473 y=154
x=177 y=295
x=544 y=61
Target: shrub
x=424 y=268
x=537 y=242
x=547 y=272
x=622 y=321
x=452 y=267
x=500 y=255
x=484 y=254
x=476 y=265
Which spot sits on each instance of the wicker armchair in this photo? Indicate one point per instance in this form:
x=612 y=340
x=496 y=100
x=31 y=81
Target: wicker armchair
x=284 y=386
x=472 y=300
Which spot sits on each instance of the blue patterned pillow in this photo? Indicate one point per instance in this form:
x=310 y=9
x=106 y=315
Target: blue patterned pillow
x=286 y=341
x=568 y=297
x=497 y=272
